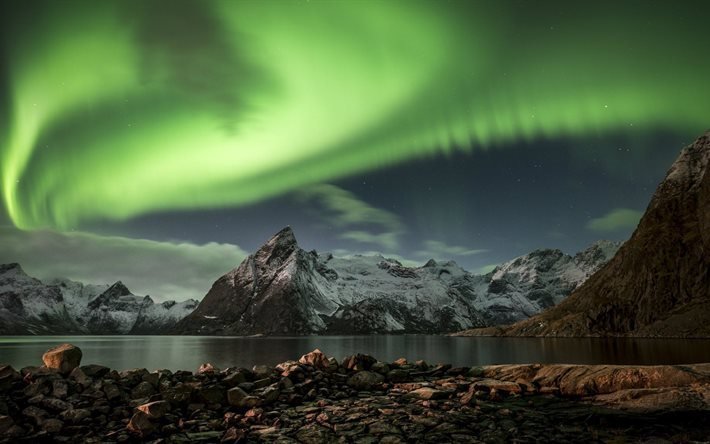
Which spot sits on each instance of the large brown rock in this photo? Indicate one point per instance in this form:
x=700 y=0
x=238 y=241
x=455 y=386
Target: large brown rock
x=64 y=358
x=586 y=380
x=658 y=284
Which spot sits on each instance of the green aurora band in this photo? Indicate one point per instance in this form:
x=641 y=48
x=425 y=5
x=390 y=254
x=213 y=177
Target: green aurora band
x=118 y=109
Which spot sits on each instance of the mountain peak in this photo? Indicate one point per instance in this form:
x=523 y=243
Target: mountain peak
x=13 y=267
x=285 y=235
x=281 y=244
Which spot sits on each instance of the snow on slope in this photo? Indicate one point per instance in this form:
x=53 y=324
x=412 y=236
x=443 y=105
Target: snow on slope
x=62 y=306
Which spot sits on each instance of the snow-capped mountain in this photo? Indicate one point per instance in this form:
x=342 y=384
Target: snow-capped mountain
x=282 y=289
x=62 y=306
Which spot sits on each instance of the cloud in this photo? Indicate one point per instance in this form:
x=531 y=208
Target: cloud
x=616 y=219
x=439 y=250
x=363 y=222
x=164 y=270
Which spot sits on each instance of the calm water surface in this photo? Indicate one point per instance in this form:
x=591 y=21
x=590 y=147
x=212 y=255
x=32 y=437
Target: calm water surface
x=188 y=352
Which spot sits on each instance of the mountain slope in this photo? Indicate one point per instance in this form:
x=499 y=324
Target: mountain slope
x=61 y=306
x=658 y=284
x=282 y=289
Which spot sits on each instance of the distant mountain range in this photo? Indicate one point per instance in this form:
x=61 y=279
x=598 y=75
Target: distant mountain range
x=658 y=284
x=282 y=289
x=61 y=306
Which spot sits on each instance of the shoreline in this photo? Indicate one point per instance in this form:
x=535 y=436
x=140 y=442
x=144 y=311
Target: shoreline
x=359 y=399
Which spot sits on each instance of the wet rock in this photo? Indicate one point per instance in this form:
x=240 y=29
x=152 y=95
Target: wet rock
x=52 y=425
x=428 y=393
x=140 y=424
x=314 y=434
x=207 y=368
x=380 y=367
x=60 y=388
x=8 y=377
x=358 y=362
x=398 y=375
x=75 y=415
x=142 y=390
x=235 y=378
x=55 y=404
x=365 y=380
x=156 y=409
x=95 y=371
x=316 y=359
x=77 y=375
x=262 y=371
x=5 y=423
x=64 y=358
x=213 y=394
x=239 y=398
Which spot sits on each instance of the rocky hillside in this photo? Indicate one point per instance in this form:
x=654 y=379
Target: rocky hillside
x=658 y=284
x=282 y=289
x=61 y=306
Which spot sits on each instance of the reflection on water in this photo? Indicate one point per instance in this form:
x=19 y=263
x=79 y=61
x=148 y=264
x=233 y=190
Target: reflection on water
x=188 y=352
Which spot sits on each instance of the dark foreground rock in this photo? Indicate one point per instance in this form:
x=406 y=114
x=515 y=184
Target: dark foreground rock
x=358 y=400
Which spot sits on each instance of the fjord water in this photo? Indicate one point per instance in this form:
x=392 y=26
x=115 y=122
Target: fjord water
x=188 y=352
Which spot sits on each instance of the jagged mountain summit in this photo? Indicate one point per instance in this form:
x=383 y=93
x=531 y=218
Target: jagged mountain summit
x=282 y=289
x=658 y=284
x=62 y=306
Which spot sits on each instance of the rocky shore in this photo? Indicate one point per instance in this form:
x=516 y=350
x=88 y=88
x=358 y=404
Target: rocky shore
x=317 y=399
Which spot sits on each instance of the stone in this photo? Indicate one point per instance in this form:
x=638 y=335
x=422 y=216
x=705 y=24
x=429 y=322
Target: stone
x=270 y=394
x=77 y=375
x=365 y=380
x=235 y=378
x=52 y=425
x=156 y=409
x=380 y=367
x=358 y=362
x=239 y=398
x=142 y=390
x=427 y=393
x=398 y=375
x=140 y=424
x=207 y=368
x=55 y=404
x=5 y=423
x=316 y=359
x=95 y=371
x=75 y=415
x=64 y=358
x=262 y=371
x=60 y=388
x=8 y=376
x=213 y=394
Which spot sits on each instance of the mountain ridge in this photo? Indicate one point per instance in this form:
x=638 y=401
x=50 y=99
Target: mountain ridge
x=658 y=284
x=62 y=306
x=282 y=289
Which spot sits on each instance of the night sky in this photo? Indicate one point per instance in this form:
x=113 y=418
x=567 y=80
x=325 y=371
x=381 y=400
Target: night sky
x=158 y=142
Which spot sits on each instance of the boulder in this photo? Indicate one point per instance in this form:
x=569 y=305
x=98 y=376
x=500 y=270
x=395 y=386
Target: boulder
x=239 y=398
x=316 y=359
x=207 y=368
x=365 y=380
x=64 y=358
x=140 y=424
x=156 y=409
x=358 y=362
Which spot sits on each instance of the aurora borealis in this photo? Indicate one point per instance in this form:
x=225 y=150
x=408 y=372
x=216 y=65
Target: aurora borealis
x=119 y=115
